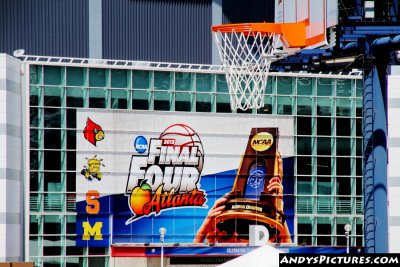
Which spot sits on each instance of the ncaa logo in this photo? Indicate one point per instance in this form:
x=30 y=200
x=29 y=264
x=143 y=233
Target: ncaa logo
x=140 y=144
x=262 y=141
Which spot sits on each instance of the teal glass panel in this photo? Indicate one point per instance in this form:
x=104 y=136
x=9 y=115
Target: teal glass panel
x=119 y=98
x=52 y=224
x=270 y=88
x=35 y=74
x=324 y=106
x=284 y=85
x=304 y=145
x=359 y=88
x=343 y=107
x=285 y=105
x=343 y=147
x=344 y=87
x=52 y=246
x=223 y=103
x=304 y=106
x=34 y=95
x=140 y=79
x=222 y=85
x=75 y=97
x=35 y=246
x=53 y=75
x=119 y=78
x=162 y=100
x=97 y=98
x=203 y=102
x=97 y=77
x=141 y=99
x=183 y=101
x=324 y=87
x=34 y=225
x=162 y=80
x=52 y=117
x=304 y=204
x=304 y=186
x=324 y=205
x=184 y=81
x=52 y=96
x=203 y=82
x=304 y=86
x=76 y=76
x=268 y=107
x=324 y=146
x=359 y=107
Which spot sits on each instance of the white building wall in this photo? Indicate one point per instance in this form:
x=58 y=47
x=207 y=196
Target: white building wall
x=11 y=196
x=394 y=158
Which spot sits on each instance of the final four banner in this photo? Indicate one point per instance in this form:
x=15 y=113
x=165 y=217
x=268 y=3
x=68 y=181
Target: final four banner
x=205 y=178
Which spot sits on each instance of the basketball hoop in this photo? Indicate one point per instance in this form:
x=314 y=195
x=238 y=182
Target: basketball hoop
x=246 y=51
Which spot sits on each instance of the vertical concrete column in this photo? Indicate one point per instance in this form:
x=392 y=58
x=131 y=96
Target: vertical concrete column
x=11 y=184
x=95 y=29
x=216 y=20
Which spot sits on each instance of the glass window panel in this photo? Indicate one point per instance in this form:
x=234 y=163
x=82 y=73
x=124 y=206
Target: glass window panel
x=359 y=88
x=35 y=73
x=184 y=81
x=71 y=225
x=343 y=166
x=304 y=204
x=34 y=181
x=183 y=101
x=34 y=117
x=52 y=96
x=344 y=87
x=97 y=261
x=97 y=98
x=270 y=89
x=324 y=205
x=304 y=145
x=162 y=80
x=203 y=102
x=162 y=100
x=52 y=160
x=343 y=107
x=34 y=225
x=71 y=181
x=97 y=251
x=268 y=106
x=76 y=76
x=71 y=160
x=119 y=99
x=35 y=246
x=141 y=79
x=304 y=86
x=34 y=160
x=324 y=146
x=284 y=105
x=71 y=248
x=359 y=107
x=119 y=78
x=52 y=118
x=304 y=165
x=359 y=166
x=53 y=75
x=324 y=166
x=52 y=139
x=52 y=246
x=203 y=82
x=75 y=97
x=223 y=103
x=141 y=99
x=34 y=138
x=73 y=261
x=359 y=127
x=304 y=126
x=343 y=147
x=324 y=86
x=304 y=186
x=34 y=94
x=323 y=185
x=304 y=106
x=324 y=106
x=343 y=127
x=358 y=147
x=71 y=118
x=324 y=126
x=222 y=85
x=97 y=77
x=52 y=224
x=284 y=85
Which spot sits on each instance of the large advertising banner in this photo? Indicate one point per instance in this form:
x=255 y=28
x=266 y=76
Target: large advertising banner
x=204 y=178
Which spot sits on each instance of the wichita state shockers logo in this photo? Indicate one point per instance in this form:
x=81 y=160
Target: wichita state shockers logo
x=168 y=175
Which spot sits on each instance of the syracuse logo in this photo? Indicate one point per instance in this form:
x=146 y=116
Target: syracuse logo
x=93 y=132
x=168 y=175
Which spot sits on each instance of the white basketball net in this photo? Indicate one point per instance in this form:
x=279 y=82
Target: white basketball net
x=246 y=58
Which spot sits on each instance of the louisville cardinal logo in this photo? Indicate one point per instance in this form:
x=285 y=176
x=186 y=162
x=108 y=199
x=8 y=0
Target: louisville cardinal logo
x=93 y=132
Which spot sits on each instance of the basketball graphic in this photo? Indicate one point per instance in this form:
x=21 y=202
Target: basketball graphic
x=184 y=136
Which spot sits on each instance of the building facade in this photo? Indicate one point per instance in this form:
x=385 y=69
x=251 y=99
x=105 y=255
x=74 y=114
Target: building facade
x=320 y=122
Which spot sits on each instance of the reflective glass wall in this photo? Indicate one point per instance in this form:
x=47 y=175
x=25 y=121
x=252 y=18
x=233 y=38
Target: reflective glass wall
x=328 y=138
